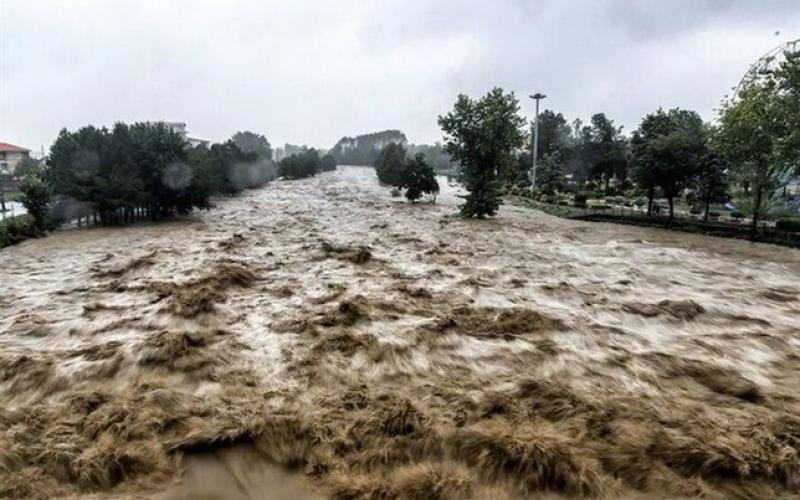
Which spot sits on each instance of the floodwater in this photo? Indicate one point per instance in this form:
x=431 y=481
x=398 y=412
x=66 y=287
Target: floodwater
x=321 y=339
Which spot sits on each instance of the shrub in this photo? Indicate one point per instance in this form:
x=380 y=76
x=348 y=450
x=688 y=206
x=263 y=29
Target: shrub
x=15 y=229
x=36 y=198
x=640 y=202
x=791 y=225
x=737 y=215
x=580 y=199
x=418 y=178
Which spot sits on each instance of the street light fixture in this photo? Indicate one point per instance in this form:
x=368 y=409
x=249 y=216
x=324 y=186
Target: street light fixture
x=536 y=97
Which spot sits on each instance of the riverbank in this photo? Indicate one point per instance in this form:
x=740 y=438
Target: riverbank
x=766 y=234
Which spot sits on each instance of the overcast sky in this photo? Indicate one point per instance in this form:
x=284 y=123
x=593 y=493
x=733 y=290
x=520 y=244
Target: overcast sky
x=310 y=72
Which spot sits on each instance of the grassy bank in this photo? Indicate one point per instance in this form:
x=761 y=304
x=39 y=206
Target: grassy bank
x=711 y=228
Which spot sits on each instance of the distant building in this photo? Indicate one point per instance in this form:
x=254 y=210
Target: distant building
x=11 y=156
x=180 y=128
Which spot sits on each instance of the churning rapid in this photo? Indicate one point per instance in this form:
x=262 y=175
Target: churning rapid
x=320 y=339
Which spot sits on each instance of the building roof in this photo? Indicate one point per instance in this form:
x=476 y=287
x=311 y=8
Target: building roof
x=10 y=148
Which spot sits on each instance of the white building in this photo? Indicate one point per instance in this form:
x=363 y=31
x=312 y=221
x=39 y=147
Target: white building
x=180 y=128
x=11 y=156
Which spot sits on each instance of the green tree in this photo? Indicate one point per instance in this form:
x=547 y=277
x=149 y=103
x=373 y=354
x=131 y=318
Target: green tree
x=667 y=149
x=328 y=163
x=605 y=151
x=390 y=163
x=250 y=142
x=482 y=136
x=28 y=166
x=550 y=174
x=710 y=183
x=578 y=157
x=555 y=133
x=760 y=134
x=36 y=198
x=299 y=166
x=418 y=178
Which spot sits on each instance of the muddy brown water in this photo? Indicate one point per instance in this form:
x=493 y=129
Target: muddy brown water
x=320 y=339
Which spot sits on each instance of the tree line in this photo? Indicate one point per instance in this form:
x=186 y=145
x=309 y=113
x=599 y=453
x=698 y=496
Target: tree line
x=306 y=163
x=143 y=170
x=747 y=154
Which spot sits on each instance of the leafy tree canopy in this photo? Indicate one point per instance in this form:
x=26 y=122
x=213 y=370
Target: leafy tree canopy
x=482 y=136
x=250 y=142
x=390 y=163
x=418 y=178
x=300 y=166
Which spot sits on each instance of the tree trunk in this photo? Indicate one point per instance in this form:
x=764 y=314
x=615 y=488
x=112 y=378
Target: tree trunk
x=671 y=202
x=708 y=209
x=651 y=193
x=756 y=211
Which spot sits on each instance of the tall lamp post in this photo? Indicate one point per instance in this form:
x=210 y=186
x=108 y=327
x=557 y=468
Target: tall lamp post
x=536 y=97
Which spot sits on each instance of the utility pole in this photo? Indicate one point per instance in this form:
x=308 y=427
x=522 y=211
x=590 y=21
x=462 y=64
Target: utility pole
x=536 y=97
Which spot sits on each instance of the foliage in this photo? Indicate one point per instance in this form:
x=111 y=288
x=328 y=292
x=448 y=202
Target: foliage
x=36 y=198
x=28 y=166
x=550 y=174
x=759 y=133
x=328 y=163
x=129 y=166
x=711 y=183
x=435 y=155
x=555 y=141
x=16 y=229
x=390 y=163
x=231 y=169
x=555 y=134
x=580 y=199
x=482 y=135
x=364 y=149
x=668 y=149
x=790 y=225
x=418 y=178
x=250 y=142
x=603 y=150
x=147 y=167
x=299 y=166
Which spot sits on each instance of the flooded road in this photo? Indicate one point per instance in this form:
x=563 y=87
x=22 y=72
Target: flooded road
x=364 y=347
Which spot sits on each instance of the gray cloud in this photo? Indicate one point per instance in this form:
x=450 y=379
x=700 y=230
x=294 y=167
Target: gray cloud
x=310 y=72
